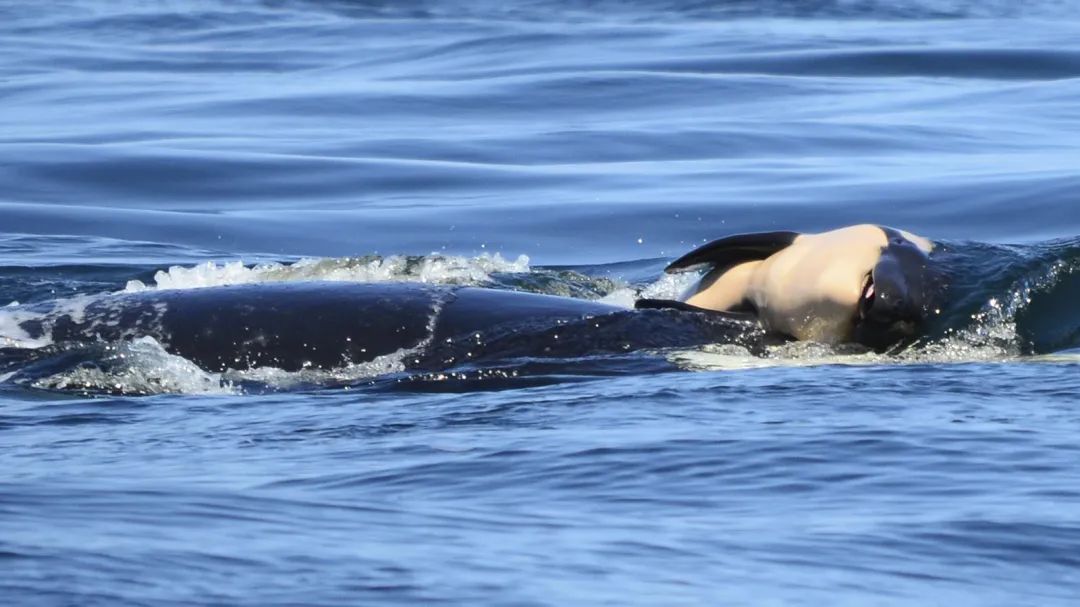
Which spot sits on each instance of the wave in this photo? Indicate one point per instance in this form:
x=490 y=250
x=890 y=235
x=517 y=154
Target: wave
x=196 y=20
x=692 y=9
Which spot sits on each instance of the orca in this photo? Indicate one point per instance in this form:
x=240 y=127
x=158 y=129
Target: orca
x=866 y=284
x=327 y=325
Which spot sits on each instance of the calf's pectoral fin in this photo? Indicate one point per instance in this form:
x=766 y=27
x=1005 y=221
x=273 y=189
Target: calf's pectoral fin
x=671 y=304
x=733 y=250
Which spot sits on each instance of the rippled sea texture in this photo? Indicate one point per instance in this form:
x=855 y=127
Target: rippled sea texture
x=562 y=147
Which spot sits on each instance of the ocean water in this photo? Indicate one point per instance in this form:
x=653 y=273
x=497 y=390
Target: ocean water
x=563 y=147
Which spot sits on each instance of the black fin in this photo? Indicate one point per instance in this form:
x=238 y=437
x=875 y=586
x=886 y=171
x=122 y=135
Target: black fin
x=732 y=250
x=666 y=304
x=671 y=304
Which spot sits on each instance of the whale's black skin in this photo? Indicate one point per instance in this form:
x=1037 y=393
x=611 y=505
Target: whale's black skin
x=909 y=291
x=329 y=324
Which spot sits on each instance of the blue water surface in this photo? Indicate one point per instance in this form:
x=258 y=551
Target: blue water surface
x=567 y=147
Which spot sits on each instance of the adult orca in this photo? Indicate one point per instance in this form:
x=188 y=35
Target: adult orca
x=298 y=325
x=868 y=284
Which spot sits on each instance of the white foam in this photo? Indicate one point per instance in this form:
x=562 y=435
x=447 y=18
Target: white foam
x=12 y=334
x=668 y=286
x=434 y=269
x=141 y=366
x=13 y=317
x=74 y=307
x=280 y=379
x=726 y=357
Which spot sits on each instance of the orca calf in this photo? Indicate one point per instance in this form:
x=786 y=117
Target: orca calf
x=868 y=284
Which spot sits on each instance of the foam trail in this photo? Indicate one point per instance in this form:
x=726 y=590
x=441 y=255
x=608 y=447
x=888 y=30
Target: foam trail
x=434 y=269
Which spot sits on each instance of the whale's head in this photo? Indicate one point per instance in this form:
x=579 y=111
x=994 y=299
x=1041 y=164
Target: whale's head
x=899 y=294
